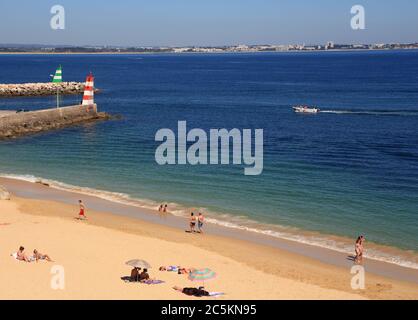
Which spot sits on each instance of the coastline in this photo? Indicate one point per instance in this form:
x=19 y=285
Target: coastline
x=226 y=52
x=302 y=264
x=326 y=247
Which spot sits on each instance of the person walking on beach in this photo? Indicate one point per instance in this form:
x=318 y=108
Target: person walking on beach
x=82 y=213
x=192 y=223
x=200 y=220
x=362 y=239
x=165 y=208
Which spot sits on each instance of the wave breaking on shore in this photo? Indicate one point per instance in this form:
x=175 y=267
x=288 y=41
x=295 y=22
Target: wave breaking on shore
x=375 y=252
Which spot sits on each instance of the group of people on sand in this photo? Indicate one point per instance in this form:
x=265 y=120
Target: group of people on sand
x=143 y=277
x=138 y=276
x=36 y=256
x=196 y=292
x=199 y=220
x=359 y=249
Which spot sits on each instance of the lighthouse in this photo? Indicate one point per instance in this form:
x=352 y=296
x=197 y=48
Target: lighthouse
x=88 y=96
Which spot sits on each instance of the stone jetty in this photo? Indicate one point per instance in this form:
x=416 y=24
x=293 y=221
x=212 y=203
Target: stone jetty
x=23 y=123
x=41 y=89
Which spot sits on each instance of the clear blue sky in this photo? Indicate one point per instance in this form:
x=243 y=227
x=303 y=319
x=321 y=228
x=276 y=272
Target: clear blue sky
x=207 y=22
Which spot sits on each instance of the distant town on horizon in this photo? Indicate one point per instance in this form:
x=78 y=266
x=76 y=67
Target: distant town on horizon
x=28 y=48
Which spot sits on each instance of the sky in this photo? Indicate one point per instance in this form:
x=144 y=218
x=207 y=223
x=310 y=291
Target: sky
x=206 y=22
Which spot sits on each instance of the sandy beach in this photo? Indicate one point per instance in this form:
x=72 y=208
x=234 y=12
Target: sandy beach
x=92 y=254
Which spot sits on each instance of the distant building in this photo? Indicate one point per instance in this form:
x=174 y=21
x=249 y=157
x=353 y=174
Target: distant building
x=329 y=45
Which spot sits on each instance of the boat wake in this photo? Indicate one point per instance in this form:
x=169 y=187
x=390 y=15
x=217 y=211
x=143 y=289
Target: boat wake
x=393 y=256
x=406 y=113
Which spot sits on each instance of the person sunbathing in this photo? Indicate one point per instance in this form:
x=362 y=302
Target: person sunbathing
x=21 y=255
x=40 y=256
x=185 y=270
x=196 y=292
x=177 y=269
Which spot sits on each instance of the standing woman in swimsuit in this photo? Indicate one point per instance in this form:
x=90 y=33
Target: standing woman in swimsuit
x=358 y=250
x=192 y=222
x=200 y=220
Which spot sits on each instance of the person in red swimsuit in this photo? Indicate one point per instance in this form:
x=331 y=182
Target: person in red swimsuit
x=81 y=214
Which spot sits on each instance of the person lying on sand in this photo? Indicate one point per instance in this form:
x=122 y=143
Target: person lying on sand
x=186 y=270
x=40 y=256
x=169 y=268
x=196 y=292
x=177 y=269
x=21 y=255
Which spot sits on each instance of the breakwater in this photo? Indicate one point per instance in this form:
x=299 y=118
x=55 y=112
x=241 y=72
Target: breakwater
x=40 y=89
x=23 y=123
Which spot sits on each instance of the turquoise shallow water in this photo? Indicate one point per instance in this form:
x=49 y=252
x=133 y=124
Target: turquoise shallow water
x=350 y=170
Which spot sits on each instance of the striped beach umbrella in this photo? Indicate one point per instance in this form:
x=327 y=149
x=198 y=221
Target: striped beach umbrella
x=88 y=96
x=202 y=275
x=58 y=75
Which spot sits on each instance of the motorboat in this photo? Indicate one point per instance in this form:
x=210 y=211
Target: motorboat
x=305 y=109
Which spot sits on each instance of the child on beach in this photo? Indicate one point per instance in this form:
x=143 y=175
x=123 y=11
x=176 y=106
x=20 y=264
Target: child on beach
x=81 y=214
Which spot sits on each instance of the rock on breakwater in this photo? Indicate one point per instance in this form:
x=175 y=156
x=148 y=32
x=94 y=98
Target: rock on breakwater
x=40 y=89
x=24 y=123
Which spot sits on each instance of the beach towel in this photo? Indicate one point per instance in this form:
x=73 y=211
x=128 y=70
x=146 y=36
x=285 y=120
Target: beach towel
x=173 y=268
x=14 y=256
x=216 y=294
x=153 y=281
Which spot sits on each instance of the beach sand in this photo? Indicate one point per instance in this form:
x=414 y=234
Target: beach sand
x=93 y=254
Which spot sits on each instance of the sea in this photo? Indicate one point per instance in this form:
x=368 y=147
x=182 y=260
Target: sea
x=351 y=169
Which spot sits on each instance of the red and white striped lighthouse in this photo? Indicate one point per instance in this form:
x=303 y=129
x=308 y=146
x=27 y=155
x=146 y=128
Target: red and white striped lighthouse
x=88 y=97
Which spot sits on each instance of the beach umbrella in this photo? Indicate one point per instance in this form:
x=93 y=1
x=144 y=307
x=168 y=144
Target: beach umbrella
x=202 y=275
x=138 y=263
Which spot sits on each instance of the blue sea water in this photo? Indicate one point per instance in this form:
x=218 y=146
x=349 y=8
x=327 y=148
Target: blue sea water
x=350 y=170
